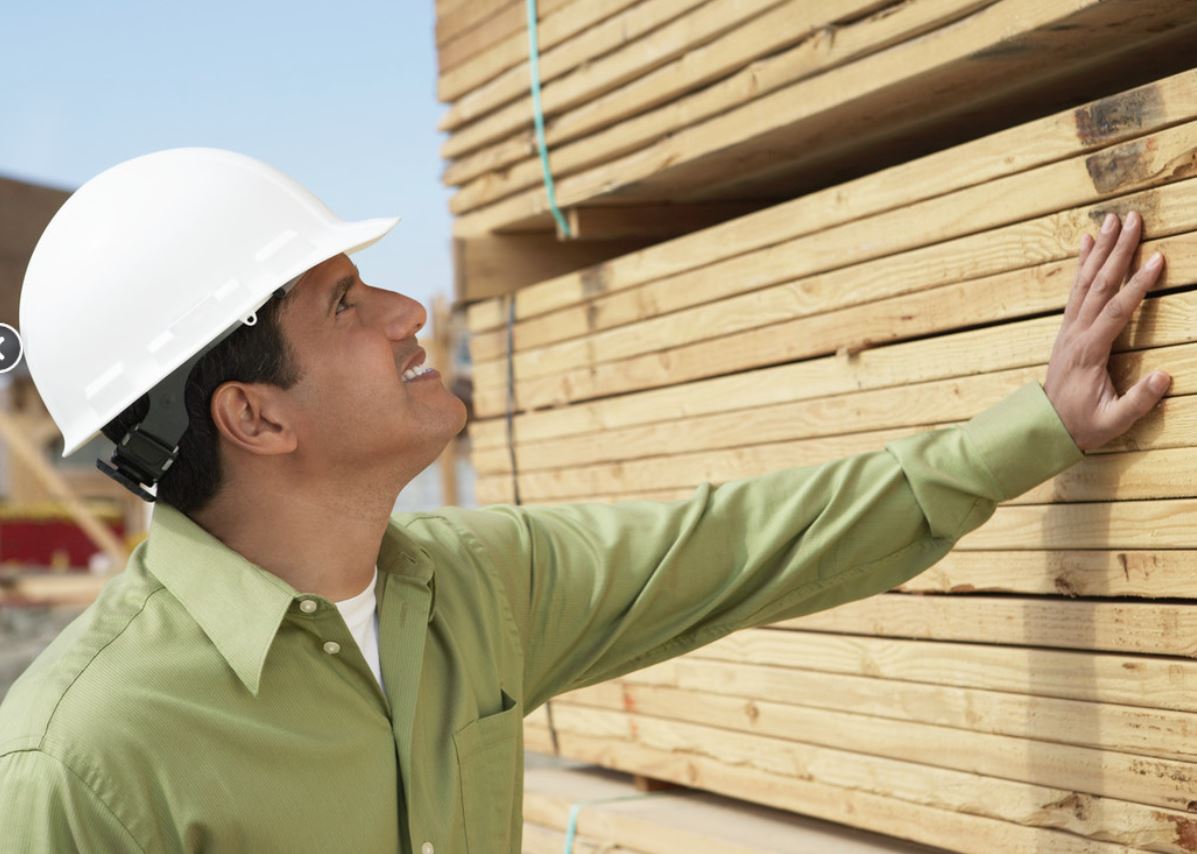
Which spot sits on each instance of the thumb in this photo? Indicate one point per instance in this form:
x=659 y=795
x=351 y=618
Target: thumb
x=1139 y=400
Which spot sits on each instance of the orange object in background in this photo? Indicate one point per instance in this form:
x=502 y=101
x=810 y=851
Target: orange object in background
x=44 y=534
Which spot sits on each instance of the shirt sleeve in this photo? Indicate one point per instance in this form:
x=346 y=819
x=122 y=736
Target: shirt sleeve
x=601 y=589
x=44 y=806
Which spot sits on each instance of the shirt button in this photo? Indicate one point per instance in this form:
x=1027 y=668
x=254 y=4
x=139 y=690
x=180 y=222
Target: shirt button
x=332 y=647
x=308 y=606
x=426 y=848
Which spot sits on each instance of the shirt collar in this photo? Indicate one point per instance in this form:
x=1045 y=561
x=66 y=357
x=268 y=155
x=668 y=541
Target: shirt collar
x=238 y=604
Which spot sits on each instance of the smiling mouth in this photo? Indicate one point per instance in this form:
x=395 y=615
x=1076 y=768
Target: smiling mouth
x=413 y=374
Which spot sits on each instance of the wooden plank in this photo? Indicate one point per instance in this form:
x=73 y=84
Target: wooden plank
x=1160 y=322
x=1164 y=573
x=1131 y=680
x=657 y=222
x=1091 y=126
x=467 y=16
x=791 y=279
x=1041 y=529
x=916 y=783
x=618 y=123
x=1149 y=732
x=641 y=111
x=830 y=413
x=1099 y=771
x=568 y=38
x=469 y=43
x=538 y=738
x=705 y=304
x=680 y=821
x=1153 y=628
x=1166 y=211
x=927 y=307
x=50 y=588
x=693 y=57
x=864 y=106
x=1130 y=476
x=444 y=7
x=538 y=716
x=1165 y=524
x=1161 y=524
x=752 y=441
x=442 y=354
x=905 y=819
x=489 y=266
x=548 y=840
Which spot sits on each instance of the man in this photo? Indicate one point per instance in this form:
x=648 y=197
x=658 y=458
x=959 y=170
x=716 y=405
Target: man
x=284 y=665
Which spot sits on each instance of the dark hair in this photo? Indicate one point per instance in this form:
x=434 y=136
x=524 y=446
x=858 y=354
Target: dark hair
x=253 y=354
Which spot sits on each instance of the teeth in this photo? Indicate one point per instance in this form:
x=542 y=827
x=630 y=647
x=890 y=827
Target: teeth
x=412 y=373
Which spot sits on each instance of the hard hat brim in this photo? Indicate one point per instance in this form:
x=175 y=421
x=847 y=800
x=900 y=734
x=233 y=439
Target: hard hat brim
x=367 y=232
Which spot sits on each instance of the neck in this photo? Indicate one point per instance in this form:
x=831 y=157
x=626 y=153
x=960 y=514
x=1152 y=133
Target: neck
x=319 y=541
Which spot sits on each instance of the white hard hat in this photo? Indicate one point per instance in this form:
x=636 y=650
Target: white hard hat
x=150 y=264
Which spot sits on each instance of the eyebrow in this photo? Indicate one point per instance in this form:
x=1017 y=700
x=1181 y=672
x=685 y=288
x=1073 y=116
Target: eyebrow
x=339 y=289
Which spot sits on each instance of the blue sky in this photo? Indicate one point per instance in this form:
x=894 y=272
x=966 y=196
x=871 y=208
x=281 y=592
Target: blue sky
x=341 y=96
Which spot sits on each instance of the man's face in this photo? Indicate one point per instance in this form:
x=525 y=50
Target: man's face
x=352 y=407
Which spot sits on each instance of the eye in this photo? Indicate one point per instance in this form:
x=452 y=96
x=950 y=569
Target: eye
x=341 y=302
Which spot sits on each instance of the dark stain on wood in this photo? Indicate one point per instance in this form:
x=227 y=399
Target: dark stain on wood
x=1145 y=204
x=1117 y=116
x=1136 y=164
x=1121 y=166
x=1065 y=586
x=1186 y=828
x=1076 y=803
x=594 y=281
x=629 y=702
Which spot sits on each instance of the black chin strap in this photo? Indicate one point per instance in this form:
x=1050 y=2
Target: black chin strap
x=150 y=447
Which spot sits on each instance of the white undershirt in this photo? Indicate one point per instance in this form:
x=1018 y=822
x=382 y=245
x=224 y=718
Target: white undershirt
x=361 y=617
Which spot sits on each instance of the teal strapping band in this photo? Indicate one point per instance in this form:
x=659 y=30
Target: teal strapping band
x=571 y=829
x=538 y=120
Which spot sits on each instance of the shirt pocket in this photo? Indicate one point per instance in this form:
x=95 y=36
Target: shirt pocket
x=487 y=765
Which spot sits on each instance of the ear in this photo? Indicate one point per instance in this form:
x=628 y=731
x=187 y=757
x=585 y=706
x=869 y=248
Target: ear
x=253 y=417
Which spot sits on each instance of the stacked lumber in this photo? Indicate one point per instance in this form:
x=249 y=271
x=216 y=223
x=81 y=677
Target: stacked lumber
x=598 y=811
x=909 y=250
x=662 y=116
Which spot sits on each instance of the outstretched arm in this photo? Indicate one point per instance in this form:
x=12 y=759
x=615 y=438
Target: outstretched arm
x=598 y=590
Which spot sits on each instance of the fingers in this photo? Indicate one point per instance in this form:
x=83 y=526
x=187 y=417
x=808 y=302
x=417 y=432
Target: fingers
x=1079 y=284
x=1116 y=313
x=1101 y=249
x=1112 y=271
x=1138 y=401
x=1087 y=243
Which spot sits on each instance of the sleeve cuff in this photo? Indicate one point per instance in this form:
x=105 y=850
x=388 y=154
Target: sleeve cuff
x=1022 y=440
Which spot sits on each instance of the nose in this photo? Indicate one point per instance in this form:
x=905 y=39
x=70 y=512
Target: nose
x=403 y=316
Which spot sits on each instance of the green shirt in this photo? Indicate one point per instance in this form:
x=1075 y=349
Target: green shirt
x=202 y=703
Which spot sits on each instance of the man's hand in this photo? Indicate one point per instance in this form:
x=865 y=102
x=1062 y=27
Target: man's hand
x=1078 y=380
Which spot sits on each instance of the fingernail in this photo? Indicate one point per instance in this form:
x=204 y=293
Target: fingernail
x=1158 y=382
x=1131 y=219
x=1155 y=261
x=1108 y=225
